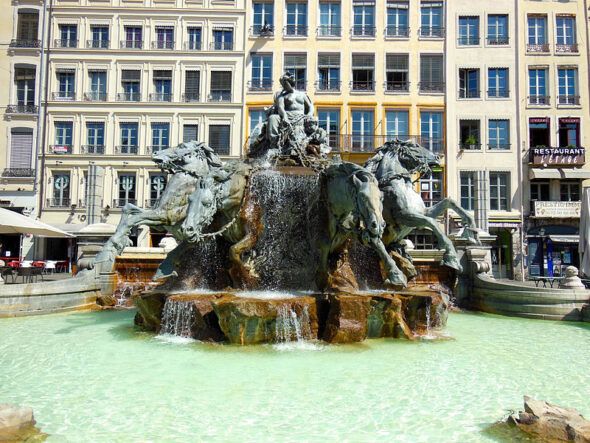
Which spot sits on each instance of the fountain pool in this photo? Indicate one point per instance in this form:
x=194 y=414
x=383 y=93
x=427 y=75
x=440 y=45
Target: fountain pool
x=93 y=377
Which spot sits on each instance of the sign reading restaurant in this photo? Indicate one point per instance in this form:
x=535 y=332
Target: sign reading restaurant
x=542 y=156
x=554 y=209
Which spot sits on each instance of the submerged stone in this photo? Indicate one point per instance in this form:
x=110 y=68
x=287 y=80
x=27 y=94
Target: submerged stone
x=17 y=424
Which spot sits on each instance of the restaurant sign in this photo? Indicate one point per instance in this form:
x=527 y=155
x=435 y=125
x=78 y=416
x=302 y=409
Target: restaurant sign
x=546 y=209
x=541 y=156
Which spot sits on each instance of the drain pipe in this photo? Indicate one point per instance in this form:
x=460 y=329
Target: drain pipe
x=519 y=140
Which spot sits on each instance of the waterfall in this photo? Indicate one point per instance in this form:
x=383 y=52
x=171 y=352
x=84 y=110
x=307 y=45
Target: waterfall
x=290 y=326
x=178 y=318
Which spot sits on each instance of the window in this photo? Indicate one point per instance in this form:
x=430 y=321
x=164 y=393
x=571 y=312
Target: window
x=162 y=86
x=431 y=130
x=328 y=72
x=431 y=19
x=423 y=239
x=569 y=191
x=468 y=31
x=126 y=190
x=100 y=37
x=499 y=191
x=397 y=124
x=223 y=39
x=537 y=34
x=195 y=36
x=498 y=83
x=157 y=186
x=469 y=131
x=397 y=19
x=61 y=190
x=221 y=82
x=24 y=79
x=68 y=36
x=296 y=64
x=63 y=136
x=160 y=136
x=192 y=86
x=296 y=19
x=539 y=132
x=565 y=31
x=569 y=132
x=364 y=18
x=467 y=179
x=397 y=73
x=28 y=29
x=498 y=29
x=363 y=72
x=539 y=191
x=263 y=18
x=469 y=83
x=499 y=134
x=129 y=143
x=329 y=120
x=257 y=116
x=190 y=133
x=219 y=139
x=133 y=37
x=130 y=82
x=568 y=86
x=164 y=37
x=21 y=152
x=431 y=188
x=66 y=85
x=538 y=86
x=363 y=131
x=431 y=73
x=261 y=72
x=98 y=86
x=94 y=138
x=330 y=14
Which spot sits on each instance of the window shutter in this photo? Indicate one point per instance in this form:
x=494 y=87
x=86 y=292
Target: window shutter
x=397 y=62
x=219 y=138
x=220 y=80
x=21 y=148
x=189 y=133
x=193 y=80
x=363 y=61
x=162 y=74
x=431 y=68
x=128 y=75
x=295 y=61
x=329 y=60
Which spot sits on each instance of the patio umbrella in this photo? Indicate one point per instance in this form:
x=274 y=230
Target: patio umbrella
x=585 y=234
x=14 y=223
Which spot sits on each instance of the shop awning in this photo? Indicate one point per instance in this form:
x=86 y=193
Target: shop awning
x=565 y=238
x=536 y=173
x=559 y=173
x=581 y=174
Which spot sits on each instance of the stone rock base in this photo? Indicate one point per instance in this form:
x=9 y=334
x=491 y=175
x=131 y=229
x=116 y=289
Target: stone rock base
x=17 y=424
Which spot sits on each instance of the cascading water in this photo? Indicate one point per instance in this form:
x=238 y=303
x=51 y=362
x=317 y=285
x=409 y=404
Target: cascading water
x=178 y=318
x=290 y=326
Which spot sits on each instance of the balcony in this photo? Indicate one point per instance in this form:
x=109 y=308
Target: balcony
x=431 y=87
x=155 y=149
x=571 y=100
x=539 y=100
x=368 y=143
x=219 y=96
x=469 y=93
x=295 y=31
x=328 y=85
x=566 y=49
x=127 y=150
x=362 y=86
x=498 y=93
x=431 y=32
x=64 y=95
x=498 y=40
x=24 y=43
x=22 y=109
x=537 y=49
x=363 y=31
x=221 y=46
x=397 y=32
x=399 y=87
x=95 y=96
x=97 y=44
x=163 y=44
x=262 y=31
x=191 y=97
x=65 y=43
x=60 y=149
x=260 y=85
x=131 y=44
x=18 y=173
x=193 y=45
x=499 y=147
x=160 y=97
x=152 y=202
x=468 y=41
x=59 y=202
x=121 y=202
x=128 y=97
x=470 y=146
x=93 y=149
x=329 y=31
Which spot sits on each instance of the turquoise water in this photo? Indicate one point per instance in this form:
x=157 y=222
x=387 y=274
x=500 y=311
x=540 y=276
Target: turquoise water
x=93 y=378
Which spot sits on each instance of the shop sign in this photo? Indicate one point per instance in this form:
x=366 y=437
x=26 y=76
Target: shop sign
x=558 y=209
x=504 y=224
x=541 y=156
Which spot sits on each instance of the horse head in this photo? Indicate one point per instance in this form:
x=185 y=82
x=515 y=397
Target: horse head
x=193 y=157
x=398 y=157
x=369 y=205
x=201 y=210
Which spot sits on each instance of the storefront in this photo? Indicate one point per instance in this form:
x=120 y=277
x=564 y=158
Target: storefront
x=551 y=249
x=502 y=249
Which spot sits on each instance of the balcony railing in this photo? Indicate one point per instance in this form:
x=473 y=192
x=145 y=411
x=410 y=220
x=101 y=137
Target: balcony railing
x=498 y=93
x=219 y=96
x=368 y=143
x=266 y=31
x=64 y=95
x=431 y=87
x=93 y=149
x=468 y=146
x=328 y=85
x=498 y=40
x=397 y=86
x=60 y=149
x=95 y=96
x=121 y=202
x=24 y=43
x=499 y=146
x=128 y=97
x=127 y=150
x=65 y=43
x=362 y=86
x=363 y=31
x=193 y=45
x=573 y=100
x=131 y=44
x=329 y=31
x=163 y=44
x=97 y=44
x=567 y=49
x=295 y=31
x=18 y=173
x=155 y=149
x=541 y=48
x=59 y=202
x=469 y=93
x=152 y=202
x=540 y=100
x=22 y=109
x=397 y=31
x=222 y=46
x=260 y=85
x=431 y=32
x=160 y=97
x=468 y=41
x=189 y=97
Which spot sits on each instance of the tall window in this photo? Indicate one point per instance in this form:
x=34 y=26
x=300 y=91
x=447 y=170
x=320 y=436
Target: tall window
x=431 y=130
x=431 y=19
x=397 y=124
x=363 y=131
x=296 y=19
x=192 y=86
x=261 y=72
x=539 y=191
x=67 y=84
x=328 y=72
x=330 y=19
x=130 y=82
x=133 y=37
x=397 y=73
x=63 y=134
x=569 y=132
x=569 y=191
x=397 y=18
x=126 y=190
x=499 y=191
x=257 y=116
x=61 y=190
x=164 y=37
x=499 y=134
x=467 y=179
x=25 y=87
x=157 y=186
x=469 y=83
x=221 y=86
x=296 y=64
x=468 y=31
x=498 y=82
x=195 y=37
x=498 y=29
x=329 y=120
x=28 y=28
x=364 y=18
x=98 y=86
x=538 y=86
x=470 y=134
x=431 y=188
x=68 y=36
x=162 y=86
x=219 y=139
x=95 y=138
x=190 y=132
x=263 y=18
x=431 y=73
x=129 y=143
x=363 y=72
x=223 y=39
x=100 y=37
x=21 y=152
x=160 y=136
x=565 y=32
x=568 y=86
x=537 y=34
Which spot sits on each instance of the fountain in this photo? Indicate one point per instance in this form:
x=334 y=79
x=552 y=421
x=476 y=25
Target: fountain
x=291 y=244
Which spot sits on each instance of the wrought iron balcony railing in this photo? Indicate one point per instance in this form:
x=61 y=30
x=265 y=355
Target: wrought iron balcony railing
x=260 y=85
x=468 y=41
x=219 y=96
x=64 y=95
x=263 y=31
x=397 y=31
x=131 y=44
x=160 y=97
x=431 y=32
x=362 y=86
x=295 y=31
x=221 y=46
x=93 y=149
x=539 y=100
x=498 y=93
x=22 y=109
x=469 y=93
x=498 y=40
x=567 y=49
x=189 y=97
x=328 y=85
x=468 y=146
x=431 y=87
x=121 y=202
x=59 y=202
x=97 y=44
x=397 y=86
x=65 y=43
x=499 y=146
x=127 y=150
x=155 y=149
x=363 y=31
x=128 y=97
x=573 y=100
x=24 y=43
x=539 y=48
x=163 y=44
x=193 y=45
x=369 y=142
x=95 y=96
x=329 y=31
x=18 y=173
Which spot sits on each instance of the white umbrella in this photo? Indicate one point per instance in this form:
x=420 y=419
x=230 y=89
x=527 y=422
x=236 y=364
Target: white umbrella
x=585 y=234
x=14 y=223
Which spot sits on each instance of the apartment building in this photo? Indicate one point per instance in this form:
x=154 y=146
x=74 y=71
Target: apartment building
x=554 y=119
x=128 y=78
